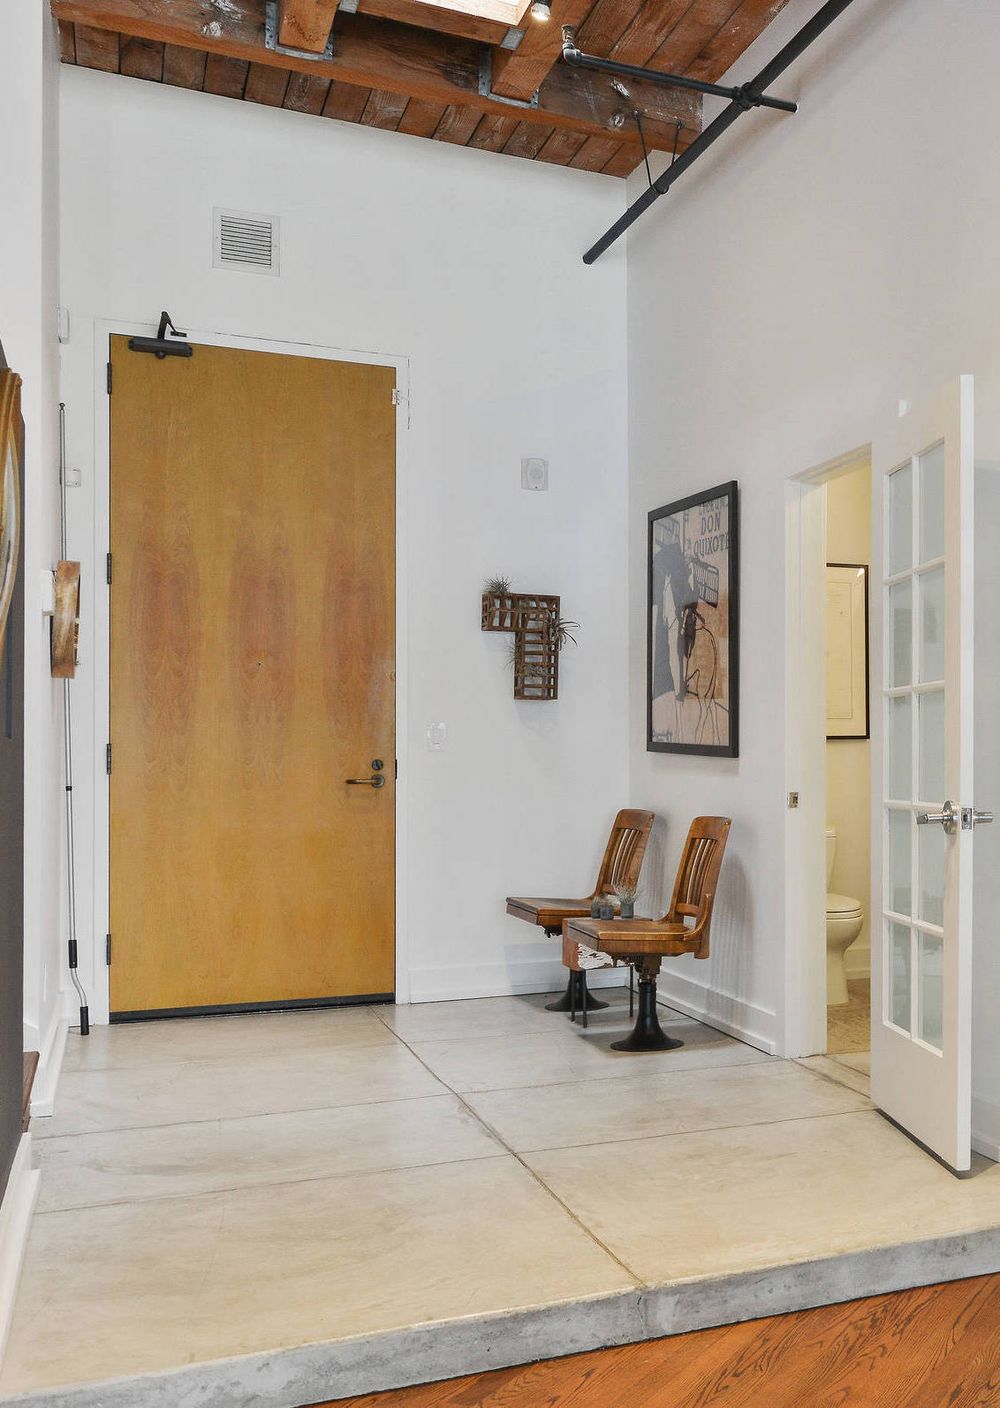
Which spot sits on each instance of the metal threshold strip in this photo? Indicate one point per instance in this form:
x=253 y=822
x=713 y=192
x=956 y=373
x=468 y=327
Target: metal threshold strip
x=741 y=99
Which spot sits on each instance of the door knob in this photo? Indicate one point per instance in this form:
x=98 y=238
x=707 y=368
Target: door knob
x=947 y=816
x=376 y=780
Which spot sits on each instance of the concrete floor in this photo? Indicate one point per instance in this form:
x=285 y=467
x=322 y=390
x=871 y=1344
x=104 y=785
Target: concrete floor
x=285 y=1208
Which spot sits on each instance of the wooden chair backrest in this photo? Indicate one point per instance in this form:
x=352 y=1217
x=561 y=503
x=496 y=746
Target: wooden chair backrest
x=625 y=850
x=698 y=876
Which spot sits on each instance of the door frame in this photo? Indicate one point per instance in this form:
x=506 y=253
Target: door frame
x=104 y=330
x=804 y=996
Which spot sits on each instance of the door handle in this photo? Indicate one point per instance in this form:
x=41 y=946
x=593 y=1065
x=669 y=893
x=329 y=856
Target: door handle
x=947 y=816
x=376 y=780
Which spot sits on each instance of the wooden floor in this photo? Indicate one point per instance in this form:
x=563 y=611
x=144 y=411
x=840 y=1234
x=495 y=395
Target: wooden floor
x=936 y=1347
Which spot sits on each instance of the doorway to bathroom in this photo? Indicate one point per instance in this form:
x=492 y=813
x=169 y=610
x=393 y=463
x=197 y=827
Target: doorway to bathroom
x=847 y=833
x=828 y=762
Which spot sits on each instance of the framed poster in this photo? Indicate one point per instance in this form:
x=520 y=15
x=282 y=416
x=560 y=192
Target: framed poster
x=692 y=676
x=10 y=506
x=847 y=664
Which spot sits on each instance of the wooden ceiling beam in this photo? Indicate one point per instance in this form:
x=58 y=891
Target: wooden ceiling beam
x=306 y=24
x=437 y=17
x=393 y=58
x=517 y=73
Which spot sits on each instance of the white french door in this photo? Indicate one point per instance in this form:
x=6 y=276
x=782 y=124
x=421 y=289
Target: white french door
x=922 y=774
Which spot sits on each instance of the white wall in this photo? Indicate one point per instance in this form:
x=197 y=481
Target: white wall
x=469 y=265
x=28 y=297
x=803 y=277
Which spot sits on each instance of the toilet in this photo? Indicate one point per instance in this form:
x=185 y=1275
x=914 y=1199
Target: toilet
x=844 y=918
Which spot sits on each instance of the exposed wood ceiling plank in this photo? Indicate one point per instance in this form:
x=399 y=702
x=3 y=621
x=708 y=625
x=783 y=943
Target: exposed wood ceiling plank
x=306 y=93
x=345 y=102
x=420 y=119
x=395 y=58
x=67 y=42
x=492 y=132
x=225 y=77
x=732 y=38
x=595 y=154
x=142 y=58
x=183 y=68
x=306 y=24
x=699 y=24
x=383 y=110
x=622 y=164
x=266 y=85
x=527 y=140
x=649 y=27
x=457 y=125
x=561 y=147
x=96 y=48
x=604 y=25
x=437 y=17
x=518 y=72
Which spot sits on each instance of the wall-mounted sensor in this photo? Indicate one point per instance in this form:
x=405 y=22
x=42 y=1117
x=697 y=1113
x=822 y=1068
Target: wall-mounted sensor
x=535 y=474
x=437 y=737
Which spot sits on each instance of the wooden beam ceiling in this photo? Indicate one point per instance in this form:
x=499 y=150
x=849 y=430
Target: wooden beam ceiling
x=434 y=70
x=391 y=58
x=306 y=24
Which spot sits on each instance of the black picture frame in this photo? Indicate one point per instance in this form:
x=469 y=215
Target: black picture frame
x=700 y=641
x=863 y=571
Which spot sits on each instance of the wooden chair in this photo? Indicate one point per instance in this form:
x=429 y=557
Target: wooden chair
x=620 y=866
x=644 y=943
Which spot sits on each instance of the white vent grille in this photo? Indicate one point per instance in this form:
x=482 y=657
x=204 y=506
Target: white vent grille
x=244 y=241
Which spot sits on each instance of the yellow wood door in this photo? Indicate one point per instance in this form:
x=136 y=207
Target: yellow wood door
x=252 y=674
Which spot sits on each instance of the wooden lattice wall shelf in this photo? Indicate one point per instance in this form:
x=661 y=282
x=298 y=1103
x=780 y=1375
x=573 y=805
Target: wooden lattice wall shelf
x=534 y=621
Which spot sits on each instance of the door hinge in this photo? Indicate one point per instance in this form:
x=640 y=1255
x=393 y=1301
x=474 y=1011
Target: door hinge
x=109 y=378
x=109 y=569
x=107 y=759
x=107 y=951
x=395 y=767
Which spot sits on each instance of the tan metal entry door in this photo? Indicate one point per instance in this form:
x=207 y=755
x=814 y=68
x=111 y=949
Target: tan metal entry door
x=252 y=674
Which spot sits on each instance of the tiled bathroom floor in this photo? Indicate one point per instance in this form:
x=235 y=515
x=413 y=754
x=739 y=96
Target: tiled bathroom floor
x=288 y=1208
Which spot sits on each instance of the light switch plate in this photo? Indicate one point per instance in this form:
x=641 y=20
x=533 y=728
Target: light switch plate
x=535 y=475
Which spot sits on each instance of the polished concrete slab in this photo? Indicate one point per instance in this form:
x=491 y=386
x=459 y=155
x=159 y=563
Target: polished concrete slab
x=280 y=1210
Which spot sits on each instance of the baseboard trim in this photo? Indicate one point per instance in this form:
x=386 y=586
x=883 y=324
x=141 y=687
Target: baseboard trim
x=986 y=1128
x=743 y=1020
x=50 y=1059
x=15 y=1222
x=514 y=979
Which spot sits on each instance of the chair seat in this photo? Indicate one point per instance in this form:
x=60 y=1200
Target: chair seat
x=548 y=913
x=628 y=938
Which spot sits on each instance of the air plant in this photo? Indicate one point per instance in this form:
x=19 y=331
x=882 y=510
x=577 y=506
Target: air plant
x=532 y=668
x=562 y=631
x=626 y=894
x=496 y=586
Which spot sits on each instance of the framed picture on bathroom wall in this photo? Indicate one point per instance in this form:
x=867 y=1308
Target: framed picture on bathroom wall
x=692 y=651
x=847 y=664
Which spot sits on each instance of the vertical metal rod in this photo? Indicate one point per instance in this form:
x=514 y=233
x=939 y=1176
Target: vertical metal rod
x=68 y=761
x=786 y=56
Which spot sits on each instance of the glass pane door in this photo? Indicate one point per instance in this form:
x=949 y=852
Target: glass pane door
x=922 y=771
x=914 y=721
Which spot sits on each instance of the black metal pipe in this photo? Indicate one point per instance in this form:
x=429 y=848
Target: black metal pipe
x=782 y=60
x=576 y=59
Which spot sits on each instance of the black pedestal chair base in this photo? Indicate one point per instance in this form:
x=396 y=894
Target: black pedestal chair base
x=647 y=1034
x=576 y=998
